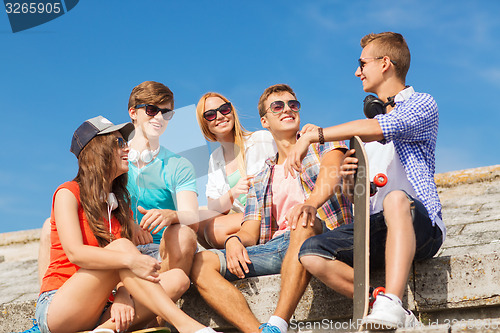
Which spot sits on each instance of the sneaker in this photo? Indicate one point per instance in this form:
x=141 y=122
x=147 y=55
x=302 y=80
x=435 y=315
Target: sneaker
x=388 y=315
x=34 y=329
x=268 y=328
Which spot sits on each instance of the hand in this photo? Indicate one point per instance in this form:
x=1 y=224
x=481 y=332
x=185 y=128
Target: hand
x=241 y=186
x=141 y=236
x=303 y=214
x=145 y=267
x=348 y=169
x=309 y=128
x=236 y=255
x=296 y=155
x=122 y=310
x=154 y=220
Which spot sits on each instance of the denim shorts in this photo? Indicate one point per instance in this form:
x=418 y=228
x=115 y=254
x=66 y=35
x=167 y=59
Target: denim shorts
x=42 y=307
x=266 y=258
x=339 y=242
x=151 y=249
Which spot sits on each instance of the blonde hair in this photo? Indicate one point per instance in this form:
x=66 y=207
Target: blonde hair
x=239 y=132
x=394 y=46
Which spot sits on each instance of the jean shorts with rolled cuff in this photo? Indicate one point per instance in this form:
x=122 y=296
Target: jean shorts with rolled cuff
x=338 y=244
x=42 y=308
x=151 y=249
x=266 y=258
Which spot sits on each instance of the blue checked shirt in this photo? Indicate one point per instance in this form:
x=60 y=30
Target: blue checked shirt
x=413 y=126
x=335 y=211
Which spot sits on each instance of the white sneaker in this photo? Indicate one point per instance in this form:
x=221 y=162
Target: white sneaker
x=388 y=315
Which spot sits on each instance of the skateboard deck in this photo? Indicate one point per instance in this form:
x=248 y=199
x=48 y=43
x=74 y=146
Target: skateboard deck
x=146 y=330
x=361 y=232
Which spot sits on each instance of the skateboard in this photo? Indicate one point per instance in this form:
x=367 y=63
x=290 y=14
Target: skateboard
x=363 y=190
x=361 y=232
x=146 y=330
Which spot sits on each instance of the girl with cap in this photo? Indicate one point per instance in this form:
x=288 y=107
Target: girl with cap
x=93 y=260
x=241 y=155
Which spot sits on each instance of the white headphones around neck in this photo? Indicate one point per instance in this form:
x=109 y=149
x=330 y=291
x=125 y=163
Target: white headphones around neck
x=145 y=156
x=112 y=201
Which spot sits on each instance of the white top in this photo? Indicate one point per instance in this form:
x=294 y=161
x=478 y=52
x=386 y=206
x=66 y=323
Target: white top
x=385 y=159
x=259 y=146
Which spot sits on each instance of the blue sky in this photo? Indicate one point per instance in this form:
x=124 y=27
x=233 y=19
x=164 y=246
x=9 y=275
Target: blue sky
x=86 y=62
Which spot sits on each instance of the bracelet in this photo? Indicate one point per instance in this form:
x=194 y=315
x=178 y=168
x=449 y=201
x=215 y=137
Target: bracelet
x=230 y=238
x=231 y=198
x=320 y=134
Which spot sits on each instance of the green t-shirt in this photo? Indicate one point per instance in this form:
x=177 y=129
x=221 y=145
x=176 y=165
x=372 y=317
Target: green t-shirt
x=156 y=184
x=233 y=180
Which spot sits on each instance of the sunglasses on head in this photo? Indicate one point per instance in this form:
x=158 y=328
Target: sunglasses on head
x=121 y=142
x=278 y=106
x=224 y=109
x=152 y=110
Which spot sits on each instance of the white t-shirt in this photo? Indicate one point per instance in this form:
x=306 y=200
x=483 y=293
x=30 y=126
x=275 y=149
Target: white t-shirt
x=385 y=159
x=259 y=146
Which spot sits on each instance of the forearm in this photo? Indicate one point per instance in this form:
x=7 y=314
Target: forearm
x=92 y=257
x=249 y=233
x=329 y=179
x=367 y=129
x=222 y=204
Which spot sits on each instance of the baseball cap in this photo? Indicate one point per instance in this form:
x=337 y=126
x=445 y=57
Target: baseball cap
x=94 y=127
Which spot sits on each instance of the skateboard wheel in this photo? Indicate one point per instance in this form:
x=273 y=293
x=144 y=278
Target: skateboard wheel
x=377 y=291
x=380 y=180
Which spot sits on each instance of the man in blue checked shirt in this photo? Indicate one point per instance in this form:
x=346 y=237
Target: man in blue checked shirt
x=405 y=214
x=281 y=212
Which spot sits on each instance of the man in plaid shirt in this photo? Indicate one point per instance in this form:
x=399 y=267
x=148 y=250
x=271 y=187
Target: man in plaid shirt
x=281 y=212
x=405 y=214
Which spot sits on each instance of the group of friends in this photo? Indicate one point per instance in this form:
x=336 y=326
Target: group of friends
x=122 y=244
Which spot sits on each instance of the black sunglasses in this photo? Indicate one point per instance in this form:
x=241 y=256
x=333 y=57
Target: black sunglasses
x=278 y=106
x=224 y=109
x=121 y=142
x=362 y=63
x=152 y=110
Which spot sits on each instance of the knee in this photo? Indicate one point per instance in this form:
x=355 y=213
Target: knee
x=203 y=262
x=300 y=234
x=396 y=200
x=181 y=238
x=180 y=279
x=122 y=244
x=45 y=233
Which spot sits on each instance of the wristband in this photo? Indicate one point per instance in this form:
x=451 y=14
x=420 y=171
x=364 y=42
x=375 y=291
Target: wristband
x=231 y=198
x=230 y=238
x=320 y=134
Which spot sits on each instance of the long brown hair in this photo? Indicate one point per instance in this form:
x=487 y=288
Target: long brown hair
x=239 y=131
x=96 y=164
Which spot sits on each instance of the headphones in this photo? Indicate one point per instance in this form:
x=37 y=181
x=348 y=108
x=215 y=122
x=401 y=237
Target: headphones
x=112 y=201
x=146 y=155
x=373 y=106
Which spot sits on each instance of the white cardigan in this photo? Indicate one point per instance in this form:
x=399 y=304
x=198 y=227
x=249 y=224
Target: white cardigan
x=258 y=147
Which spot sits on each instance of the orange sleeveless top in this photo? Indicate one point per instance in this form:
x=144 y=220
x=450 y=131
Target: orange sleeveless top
x=60 y=268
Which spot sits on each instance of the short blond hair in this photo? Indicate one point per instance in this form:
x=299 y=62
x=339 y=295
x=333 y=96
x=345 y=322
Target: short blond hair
x=392 y=45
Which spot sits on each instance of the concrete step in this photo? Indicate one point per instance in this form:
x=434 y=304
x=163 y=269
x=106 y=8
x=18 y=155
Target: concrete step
x=466 y=287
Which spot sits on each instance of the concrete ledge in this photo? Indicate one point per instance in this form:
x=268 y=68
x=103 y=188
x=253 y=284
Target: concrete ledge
x=15 y=317
x=20 y=237
x=467 y=282
x=467 y=176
